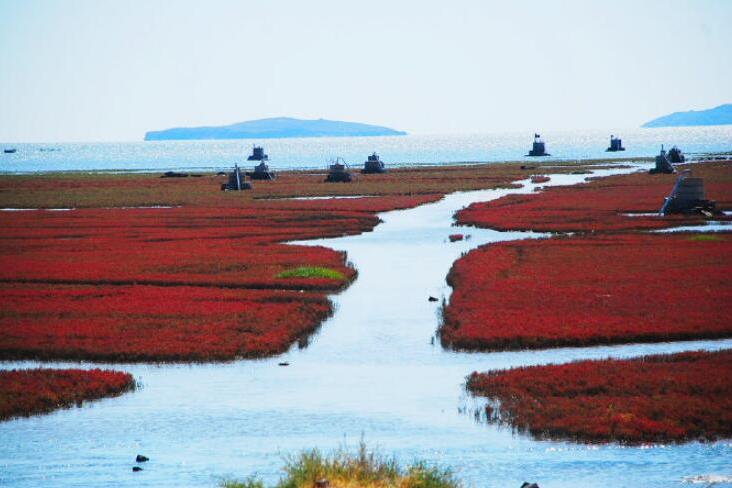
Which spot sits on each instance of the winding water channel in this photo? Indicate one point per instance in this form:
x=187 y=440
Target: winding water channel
x=372 y=370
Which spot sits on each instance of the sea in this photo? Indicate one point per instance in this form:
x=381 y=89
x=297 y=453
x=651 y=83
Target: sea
x=317 y=153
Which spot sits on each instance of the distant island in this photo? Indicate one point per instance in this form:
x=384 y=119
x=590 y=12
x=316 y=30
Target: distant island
x=721 y=115
x=279 y=127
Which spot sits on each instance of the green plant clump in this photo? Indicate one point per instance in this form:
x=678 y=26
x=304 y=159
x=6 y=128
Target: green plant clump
x=706 y=237
x=365 y=469
x=312 y=272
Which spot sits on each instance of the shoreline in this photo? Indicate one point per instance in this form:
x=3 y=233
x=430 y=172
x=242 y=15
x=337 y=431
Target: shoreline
x=322 y=170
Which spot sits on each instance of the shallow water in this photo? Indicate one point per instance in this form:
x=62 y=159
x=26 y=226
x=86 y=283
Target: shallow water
x=309 y=153
x=370 y=371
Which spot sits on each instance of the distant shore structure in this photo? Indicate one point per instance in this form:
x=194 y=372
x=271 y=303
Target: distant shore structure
x=373 y=165
x=663 y=165
x=616 y=144
x=538 y=148
x=258 y=154
x=261 y=172
x=236 y=181
x=687 y=197
x=675 y=155
x=338 y=172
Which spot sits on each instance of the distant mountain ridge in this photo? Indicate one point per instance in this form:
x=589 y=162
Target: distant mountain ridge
x=278 y=127
x=721 y=115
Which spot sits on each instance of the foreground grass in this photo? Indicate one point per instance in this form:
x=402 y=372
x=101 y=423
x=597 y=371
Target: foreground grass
x=706 y=238
x=365 y=469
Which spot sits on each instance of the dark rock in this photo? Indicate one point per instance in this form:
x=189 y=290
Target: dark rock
x=136 y=469
x=221 y=173
x=432 y=299
x=141 y=459
x=529 y=485
x=524 y=166
x=173 y=174
x=284 y=363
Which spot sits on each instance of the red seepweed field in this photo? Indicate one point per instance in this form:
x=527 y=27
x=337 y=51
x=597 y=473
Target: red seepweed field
x=172 y=284
x=668 y=398
x=31 y=391
x=612 y=282
x=588 y=290
x=600 y=205
x=154 y=323
x=148 y=269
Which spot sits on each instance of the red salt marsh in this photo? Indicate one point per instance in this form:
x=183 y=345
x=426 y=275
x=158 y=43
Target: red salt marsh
x=214 y=289
x=153 y=323
x=667 y=398
x=32 y=391
x=209 y=280
x=589 y=290
x=600 y=205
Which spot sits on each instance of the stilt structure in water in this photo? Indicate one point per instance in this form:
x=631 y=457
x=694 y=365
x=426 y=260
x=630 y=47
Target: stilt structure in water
x=616 y=144
x=257 y=154
x=538 y=148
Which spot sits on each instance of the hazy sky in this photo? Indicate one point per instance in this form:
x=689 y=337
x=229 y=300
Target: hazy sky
x=111 y=70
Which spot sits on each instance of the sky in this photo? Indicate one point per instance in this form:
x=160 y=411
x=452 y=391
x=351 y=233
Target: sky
x=110 y=70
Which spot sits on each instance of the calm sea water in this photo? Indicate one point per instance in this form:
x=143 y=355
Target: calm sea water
x=313 y=153
x=372 y=371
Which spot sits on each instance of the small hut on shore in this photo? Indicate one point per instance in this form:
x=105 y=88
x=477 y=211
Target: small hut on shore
x=261 y=172
x=675 y=155
x=236 y=181
x=338 y=172
x=373 y=165
x=538 y=148
x=663 y=165
x=616 y=144
x=687 y=197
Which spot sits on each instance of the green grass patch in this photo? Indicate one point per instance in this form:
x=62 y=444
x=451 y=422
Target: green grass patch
x=312 y=272
x=363 y=469
x=706 y=237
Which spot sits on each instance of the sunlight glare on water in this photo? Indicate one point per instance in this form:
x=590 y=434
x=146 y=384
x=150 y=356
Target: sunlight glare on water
x=314 y=153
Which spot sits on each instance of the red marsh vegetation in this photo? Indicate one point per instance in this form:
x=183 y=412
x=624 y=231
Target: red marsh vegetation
x=599 y=205
x=153 y=323
x=80 y=190
x=667 y=398
x=217 y=284
x=31 y=391
x=209 y=279
x=588 y=290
